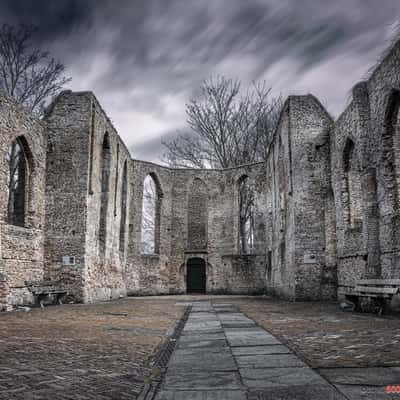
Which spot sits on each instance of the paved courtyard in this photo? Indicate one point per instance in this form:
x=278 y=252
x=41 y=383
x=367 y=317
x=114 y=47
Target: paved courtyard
x=229 y=348
x=101 y=351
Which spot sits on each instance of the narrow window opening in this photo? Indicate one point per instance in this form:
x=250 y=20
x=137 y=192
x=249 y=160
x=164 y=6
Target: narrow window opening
x=104 y=195
x=246 y=216
x=124 y=193
x=151 y=206
x=17 y=183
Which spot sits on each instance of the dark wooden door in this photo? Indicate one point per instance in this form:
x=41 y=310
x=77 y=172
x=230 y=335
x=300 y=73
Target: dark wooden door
x=196 y=276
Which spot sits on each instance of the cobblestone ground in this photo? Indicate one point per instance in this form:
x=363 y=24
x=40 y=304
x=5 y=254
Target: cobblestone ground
x=324 y=336
x=105 y=351
x=101 y=351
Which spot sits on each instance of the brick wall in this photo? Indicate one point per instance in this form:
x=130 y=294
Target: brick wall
x=326 y=203
x=22 y=246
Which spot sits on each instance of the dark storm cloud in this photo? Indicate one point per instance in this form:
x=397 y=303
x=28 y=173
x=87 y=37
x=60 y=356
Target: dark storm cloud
x=54 y=18
x=144 y=59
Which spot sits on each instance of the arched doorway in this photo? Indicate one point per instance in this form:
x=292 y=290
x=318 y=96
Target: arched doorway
x=196 y=275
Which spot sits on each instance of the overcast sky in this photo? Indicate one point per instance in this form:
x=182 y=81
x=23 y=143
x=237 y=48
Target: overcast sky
x=144 y=58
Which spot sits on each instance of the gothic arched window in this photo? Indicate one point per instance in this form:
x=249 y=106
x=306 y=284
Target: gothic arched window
x=151 y=209
x=246 y=215
x=17 y=181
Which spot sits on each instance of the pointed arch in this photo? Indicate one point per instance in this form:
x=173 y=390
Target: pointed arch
x=391 y=148
x=104 y=195
x=151 y=215
x=124 y=201
x=351 y=186
x=19 y=161
x=246 y=215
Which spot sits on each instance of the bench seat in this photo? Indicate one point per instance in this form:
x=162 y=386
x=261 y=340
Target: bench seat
x=379 y=289
x=46 y=290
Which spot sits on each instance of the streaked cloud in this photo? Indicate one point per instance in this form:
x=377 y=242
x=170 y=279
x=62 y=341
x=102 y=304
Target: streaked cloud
x=144 y=59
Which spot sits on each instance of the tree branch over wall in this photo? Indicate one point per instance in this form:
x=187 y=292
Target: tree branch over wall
x=29 y=75
x=228 y=128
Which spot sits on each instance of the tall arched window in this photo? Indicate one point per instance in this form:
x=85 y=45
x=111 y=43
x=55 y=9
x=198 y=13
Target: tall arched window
x=151 y=208
x=17 y=180
x=105 y=180
x=197 y=216
x=351 y=192
x=391 y=148
x=246 y=215
x=122 y=227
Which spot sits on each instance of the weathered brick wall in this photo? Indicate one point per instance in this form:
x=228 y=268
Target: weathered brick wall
x=66 y=189
x=371 y=121
x=77 y=126
x=309 y=132
x=22 y=246
x=226 y=270
x=4 y=293
x=297 y=194
x=105 y=268
x=326 y=203
x=280 y=243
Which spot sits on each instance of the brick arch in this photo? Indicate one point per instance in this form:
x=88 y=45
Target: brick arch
x=390 y=156
x=124 y=203
x=245 y=195
x=104 y=192
x=151 y=214
x=20 y=168
x=351 y=185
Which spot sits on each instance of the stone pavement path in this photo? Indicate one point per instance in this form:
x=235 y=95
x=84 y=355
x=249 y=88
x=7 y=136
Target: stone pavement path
x=224 y=355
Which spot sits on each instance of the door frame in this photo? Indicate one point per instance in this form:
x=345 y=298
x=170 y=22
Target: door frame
x=204 y=263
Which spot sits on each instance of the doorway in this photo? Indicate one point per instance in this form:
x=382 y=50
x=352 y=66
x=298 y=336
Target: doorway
x=196 y=276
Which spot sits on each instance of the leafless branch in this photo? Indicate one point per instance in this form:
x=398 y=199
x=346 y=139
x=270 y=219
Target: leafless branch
x=228 y=128
x=28 y=74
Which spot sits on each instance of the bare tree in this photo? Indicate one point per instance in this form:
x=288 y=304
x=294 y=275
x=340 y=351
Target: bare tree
x=28 y=74
x=228 y=128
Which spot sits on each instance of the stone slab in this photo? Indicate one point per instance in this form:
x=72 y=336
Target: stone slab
x=195 y=336
x=194 y=325
x=253 y=330
x=201 y=395
x=249 y=338
x=304 y=392
x=206 y=361
x=205 y=344
x=280 y=377
x=374 y=376
x=250 y=350
x=203 y=316
x=195 y=351
x=269 y=361
x=201 y=380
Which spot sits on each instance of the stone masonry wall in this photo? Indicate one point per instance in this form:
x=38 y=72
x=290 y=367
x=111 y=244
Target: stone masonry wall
x=227 y=271
x=371 y=121
x=326 y=203
x=77 y=126
x=21 y=247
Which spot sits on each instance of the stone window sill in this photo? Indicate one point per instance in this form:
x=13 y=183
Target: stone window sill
x=151 y=256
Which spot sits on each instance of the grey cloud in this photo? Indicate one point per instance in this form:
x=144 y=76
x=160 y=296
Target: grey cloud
x=144 y=59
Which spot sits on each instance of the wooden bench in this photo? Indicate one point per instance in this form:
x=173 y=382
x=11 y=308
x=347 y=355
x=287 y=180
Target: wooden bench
x=382 y=290
x=46 y=291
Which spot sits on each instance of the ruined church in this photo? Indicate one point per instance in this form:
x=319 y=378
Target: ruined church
x=325 y=204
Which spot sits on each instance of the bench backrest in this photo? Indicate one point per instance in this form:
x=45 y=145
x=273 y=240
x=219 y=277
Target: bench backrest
x=378 y=282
